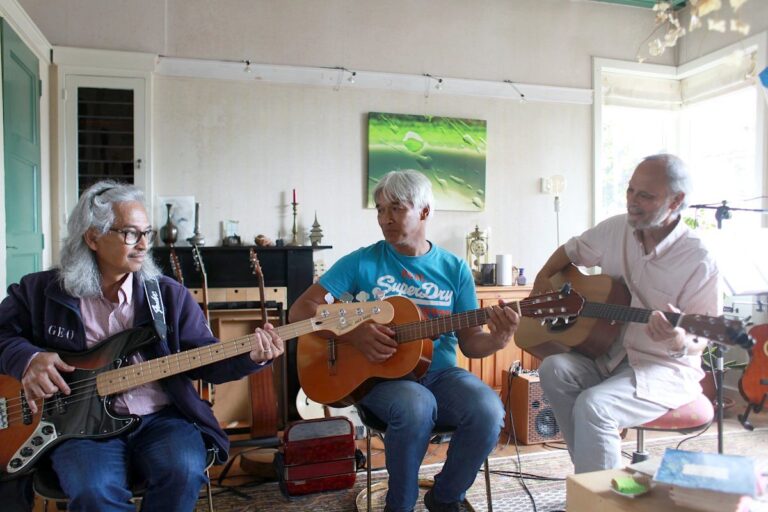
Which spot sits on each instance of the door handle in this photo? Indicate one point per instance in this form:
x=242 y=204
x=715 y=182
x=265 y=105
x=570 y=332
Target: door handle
x=11 y=247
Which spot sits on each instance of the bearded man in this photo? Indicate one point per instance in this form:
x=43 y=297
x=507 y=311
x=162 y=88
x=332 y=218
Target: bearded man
x=651 y=368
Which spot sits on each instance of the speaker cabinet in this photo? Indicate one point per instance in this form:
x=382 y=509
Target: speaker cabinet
x=532 y=415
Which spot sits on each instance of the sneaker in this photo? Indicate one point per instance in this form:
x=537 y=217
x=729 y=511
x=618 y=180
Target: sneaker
x=434 y=506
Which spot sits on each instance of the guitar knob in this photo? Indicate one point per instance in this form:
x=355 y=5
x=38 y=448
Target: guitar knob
x=15 y=463
x=26 y=451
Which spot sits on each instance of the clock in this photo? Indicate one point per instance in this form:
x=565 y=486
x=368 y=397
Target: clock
x=477 y=250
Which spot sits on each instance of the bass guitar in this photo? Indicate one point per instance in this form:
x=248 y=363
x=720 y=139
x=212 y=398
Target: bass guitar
x=103 y=371
x=599 y=322
x=333 y=372
x=753 y=383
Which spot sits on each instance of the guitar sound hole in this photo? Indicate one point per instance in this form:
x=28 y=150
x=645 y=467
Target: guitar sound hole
x=560 y=325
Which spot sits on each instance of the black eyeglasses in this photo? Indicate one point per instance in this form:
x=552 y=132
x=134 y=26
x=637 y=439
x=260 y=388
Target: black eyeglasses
x=132 y=236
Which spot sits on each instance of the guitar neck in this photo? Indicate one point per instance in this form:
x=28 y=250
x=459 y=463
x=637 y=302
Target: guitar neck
x=128 y=377
x=623 y=313
x=424 y=329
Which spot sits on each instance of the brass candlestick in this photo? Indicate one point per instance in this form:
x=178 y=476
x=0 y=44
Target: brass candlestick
x=294 y=231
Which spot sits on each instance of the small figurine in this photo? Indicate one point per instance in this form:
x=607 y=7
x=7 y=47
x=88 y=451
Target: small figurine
x=315 y=234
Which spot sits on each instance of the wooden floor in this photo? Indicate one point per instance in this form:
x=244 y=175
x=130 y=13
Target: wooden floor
x=437 y=452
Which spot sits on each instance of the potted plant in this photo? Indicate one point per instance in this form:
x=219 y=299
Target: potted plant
x=708 y=382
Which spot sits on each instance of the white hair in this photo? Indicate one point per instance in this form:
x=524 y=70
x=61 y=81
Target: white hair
x=79 y=273
x=406 y=186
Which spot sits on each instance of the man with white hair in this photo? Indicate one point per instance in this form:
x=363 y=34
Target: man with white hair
x=651 y=368
x=104 y=287
x=406 y=263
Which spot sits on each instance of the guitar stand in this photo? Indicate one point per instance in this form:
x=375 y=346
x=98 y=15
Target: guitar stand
x=719 y=372
x=757 y=408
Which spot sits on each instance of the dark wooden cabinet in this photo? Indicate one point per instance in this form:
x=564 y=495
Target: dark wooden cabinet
x=230 y=267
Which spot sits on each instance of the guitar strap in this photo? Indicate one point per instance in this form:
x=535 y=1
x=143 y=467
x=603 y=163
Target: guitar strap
x=156 y=307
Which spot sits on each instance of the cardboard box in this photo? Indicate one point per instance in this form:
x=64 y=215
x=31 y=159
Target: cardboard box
x=591 y=492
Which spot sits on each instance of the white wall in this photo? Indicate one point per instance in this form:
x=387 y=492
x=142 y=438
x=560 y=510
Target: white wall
x=240 y=148
x=251 y=144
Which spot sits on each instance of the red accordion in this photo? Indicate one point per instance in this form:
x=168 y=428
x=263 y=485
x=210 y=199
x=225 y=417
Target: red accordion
x=317 y=455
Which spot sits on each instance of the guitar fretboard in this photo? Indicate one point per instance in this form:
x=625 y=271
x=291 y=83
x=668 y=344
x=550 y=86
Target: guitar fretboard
x=432 y=328
x=623 y=313
x=123 y=379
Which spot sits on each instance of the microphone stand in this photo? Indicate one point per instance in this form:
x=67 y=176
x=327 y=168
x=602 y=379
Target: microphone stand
x=719 y=405
x=723 y=211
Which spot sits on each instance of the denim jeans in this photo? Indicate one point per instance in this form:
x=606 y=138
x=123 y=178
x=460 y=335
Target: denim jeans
x=451 y=397
x=166 y=450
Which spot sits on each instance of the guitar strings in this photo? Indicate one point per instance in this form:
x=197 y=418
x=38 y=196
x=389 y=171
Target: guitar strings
x=15 y=409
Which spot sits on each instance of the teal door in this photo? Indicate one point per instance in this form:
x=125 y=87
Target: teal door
x=21 y=142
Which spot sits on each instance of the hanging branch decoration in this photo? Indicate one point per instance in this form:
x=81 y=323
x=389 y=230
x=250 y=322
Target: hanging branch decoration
x=668 y=28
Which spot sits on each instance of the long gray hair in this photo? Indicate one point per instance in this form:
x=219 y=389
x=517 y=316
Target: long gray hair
x=79 y=273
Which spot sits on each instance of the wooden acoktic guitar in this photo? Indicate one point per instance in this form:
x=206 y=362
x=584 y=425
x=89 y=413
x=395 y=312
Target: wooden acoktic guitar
x=175 y=265
x=753 y=383
x=334 y=372
x=103 y=371
x=264 y=408
x=599 y=322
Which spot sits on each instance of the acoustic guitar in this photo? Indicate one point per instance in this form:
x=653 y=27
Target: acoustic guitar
x=333 y=372
x=753 y=383
x=175 y=265
x=103 y=371
x=598 y=323
x=264 y=408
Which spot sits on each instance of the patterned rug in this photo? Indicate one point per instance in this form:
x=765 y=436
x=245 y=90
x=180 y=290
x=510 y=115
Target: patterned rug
x=508 y=492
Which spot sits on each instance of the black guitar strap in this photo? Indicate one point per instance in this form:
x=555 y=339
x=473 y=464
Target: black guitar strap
x=155 y=301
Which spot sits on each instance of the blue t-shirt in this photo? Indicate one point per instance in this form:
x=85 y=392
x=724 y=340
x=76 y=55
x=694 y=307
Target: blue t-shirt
x=438 y=282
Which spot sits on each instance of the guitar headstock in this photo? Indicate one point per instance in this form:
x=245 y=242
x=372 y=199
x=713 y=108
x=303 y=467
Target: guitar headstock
x=176 y=266
x=198 y=260
x=556 y=305
x=722 y=330
x=341 y=318
x=255 y=265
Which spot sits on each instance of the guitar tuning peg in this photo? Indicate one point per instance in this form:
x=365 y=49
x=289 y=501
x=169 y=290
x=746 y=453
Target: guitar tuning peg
x=346 y=297
x=363 y=296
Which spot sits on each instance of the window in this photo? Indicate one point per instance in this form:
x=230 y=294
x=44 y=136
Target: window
x=709 y=116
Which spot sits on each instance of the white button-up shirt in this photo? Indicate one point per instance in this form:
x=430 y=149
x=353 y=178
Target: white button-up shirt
x=679 y=271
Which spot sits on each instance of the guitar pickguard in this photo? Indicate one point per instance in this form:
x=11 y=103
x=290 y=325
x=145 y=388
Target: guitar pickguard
x=81 y=415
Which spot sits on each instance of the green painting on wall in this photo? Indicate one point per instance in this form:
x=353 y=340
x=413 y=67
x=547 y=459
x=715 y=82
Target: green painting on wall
x=449 y=151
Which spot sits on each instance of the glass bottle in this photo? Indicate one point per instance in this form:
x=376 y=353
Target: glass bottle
x=521 y=279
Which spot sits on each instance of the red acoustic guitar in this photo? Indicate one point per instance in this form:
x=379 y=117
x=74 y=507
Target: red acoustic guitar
x=103 y=371
x=334 y=372
x=754 y=381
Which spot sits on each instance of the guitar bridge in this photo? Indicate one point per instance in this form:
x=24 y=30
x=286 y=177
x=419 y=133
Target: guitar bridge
x=332 y=369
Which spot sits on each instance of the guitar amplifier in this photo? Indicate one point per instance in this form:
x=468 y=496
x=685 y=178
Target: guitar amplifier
x=317 y=455
x=532 y=416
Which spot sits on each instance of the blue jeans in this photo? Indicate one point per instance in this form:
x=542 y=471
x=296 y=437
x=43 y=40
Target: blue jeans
x=451 y=397
x=166 y=450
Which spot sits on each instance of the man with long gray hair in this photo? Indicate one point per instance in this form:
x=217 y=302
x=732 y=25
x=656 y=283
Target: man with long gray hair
x=108 y=289
x=651 y=368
